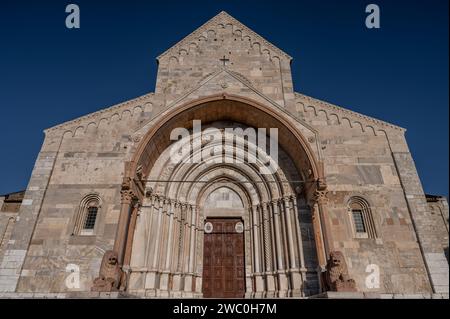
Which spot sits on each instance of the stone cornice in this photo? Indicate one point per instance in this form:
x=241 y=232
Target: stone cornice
x=95 y=115
x=223 y=18
x=346 y=112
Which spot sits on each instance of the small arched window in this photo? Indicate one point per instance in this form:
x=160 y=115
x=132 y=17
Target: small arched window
x=87 y=215
x=361 y=217
x=91 y=216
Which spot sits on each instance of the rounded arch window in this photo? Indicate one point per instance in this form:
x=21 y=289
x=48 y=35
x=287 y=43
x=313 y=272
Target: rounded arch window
x=361 y=218
x=87 y=215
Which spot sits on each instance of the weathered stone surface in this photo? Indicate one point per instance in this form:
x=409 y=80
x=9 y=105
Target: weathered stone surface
x=288 y=227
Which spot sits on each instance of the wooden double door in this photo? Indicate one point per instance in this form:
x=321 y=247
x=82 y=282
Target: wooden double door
x=223 y=258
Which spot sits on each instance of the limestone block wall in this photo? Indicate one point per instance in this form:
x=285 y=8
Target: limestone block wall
x=81 y=157
x=88 y=156
x=438 y=207
x=439 y=257
x=361 y=156
x=370 y=159
x=202 y=53
x=7 y=221
x=427 y=235
x=15 y=252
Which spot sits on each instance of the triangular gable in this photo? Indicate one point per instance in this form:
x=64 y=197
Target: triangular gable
x=224 y=18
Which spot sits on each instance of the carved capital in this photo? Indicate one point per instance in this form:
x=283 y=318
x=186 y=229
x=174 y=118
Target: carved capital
x=126 y=191
x=127 y=196
x=149 y=192
x=320 y=197
x=318 y=194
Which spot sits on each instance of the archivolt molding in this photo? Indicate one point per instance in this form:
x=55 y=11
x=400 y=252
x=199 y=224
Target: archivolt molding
x=150 y=129
x=267 y=186
x=211 y=29
x=341 y=115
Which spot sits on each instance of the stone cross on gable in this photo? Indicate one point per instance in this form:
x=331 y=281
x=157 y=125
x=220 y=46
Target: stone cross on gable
x=224 y=60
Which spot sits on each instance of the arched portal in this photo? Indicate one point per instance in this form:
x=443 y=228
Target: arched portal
x=160 y=239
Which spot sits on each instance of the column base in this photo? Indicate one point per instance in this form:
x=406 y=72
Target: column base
x=164 y=281
x=283 y=285
x=188 y=283
x=151 y=280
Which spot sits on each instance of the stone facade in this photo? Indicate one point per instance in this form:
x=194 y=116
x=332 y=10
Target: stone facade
x=333 y=163
x=9 y=210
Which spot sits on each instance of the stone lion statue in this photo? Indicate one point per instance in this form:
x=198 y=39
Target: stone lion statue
x=111 y=277
x=336 y=277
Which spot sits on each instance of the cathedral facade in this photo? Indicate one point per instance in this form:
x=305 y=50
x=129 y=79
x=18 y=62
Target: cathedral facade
x=305 y=199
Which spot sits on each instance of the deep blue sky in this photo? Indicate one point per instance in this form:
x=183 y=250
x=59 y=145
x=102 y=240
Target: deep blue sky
x=50 y=74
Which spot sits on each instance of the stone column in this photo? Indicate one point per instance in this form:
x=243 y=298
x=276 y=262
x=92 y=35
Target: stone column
x=268 y=256
x=138 y=260
x=150 y=217
x=298 y=236
x=184 y=256
x=139 y=241
x=317 y=225
x=320 y=233
x=281 y=272
x=164 y=280
x=188 y=283
x=320 y=197
x=296 y=277
x=316 y=196
x=177 y=250
x=127 y=196
x=290 y=237
x=130 y=234
x=170 y=236
x=199 y=253
x=259 y=285
x=159 y=212
x=151 y=280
